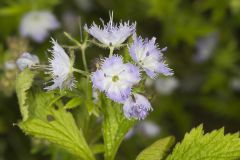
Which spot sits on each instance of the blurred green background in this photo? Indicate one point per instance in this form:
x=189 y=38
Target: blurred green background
x=202 y=37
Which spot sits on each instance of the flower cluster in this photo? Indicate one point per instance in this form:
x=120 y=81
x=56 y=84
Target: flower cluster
x=116 y=78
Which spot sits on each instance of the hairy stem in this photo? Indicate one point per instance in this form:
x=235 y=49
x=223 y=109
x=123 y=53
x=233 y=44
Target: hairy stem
x=81 y=72
x=111 y=51
x=83 y=48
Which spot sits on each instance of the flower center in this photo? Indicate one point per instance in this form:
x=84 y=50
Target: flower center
x=115 y=78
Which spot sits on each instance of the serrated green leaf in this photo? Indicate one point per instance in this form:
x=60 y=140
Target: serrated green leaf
x=23 y=83
x=56 y=125
x=74 y=102
x=157 y=150
x=211 y=146
x=115 y=126
x=97 y=148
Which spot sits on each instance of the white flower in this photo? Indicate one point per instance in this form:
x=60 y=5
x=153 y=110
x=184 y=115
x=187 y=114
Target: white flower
x=205 y=47
x=235 y=83
x=26 y=60
x=149 y=128
x=147 y=55
x=10 y=65
x=115 y=78
x=136 y=106
x=37 y=24
x=130 y=133
x=167 y=85
x=60 y=68
x=111 y=35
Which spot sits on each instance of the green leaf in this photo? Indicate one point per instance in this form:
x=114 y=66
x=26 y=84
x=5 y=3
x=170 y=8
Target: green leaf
x=55 y=124
x=157 y=150
x=115 y=126
x=23 y=83
x=97 y=148
x=74 y=102
x=210 y=146
x=13 y=10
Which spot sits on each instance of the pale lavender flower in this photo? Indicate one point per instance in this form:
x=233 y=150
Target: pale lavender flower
x=111 y=35
x=130 y=133
x=150 y=129
x=235 y=83
x=205 y=47
x=167 y=85
x=10 y=65
x=37 y=24
x=116 y=78
x=27 y=60
x=60 y=68
x=147 y=55
x=136 y=106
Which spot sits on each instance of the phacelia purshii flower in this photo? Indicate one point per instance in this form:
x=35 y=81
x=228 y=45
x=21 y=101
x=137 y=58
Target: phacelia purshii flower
x=111 y=35
x=147 y=55
x=137 y=107
x=26 y=60
x=37 y=24
x=60 y=68
x=116 y=78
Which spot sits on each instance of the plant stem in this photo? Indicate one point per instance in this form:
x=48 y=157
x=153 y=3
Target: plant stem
x=111 y=51
x=81 y=72
x=83 y=48
x=72 y=39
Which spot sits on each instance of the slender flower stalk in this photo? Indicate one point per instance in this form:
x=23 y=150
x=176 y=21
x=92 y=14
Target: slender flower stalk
x=111 y=51
x=82 y=47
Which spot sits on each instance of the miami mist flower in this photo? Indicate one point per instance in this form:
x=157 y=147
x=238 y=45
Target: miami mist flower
x=26 y=60
x=147 y=55
x=111 y=35
x=137 y=107
x=116 y=78
x=60 y=68
x=37 y=24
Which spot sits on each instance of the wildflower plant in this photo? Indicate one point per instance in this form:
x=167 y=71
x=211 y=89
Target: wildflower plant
x=88 y=111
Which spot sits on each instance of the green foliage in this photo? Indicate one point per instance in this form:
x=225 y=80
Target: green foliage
x=115 y=126
x=43 y=120
x=59 y=128
x=73 y=103
x=179 y=24
x=23 y=83
x=157 y=150
x=210 y=146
